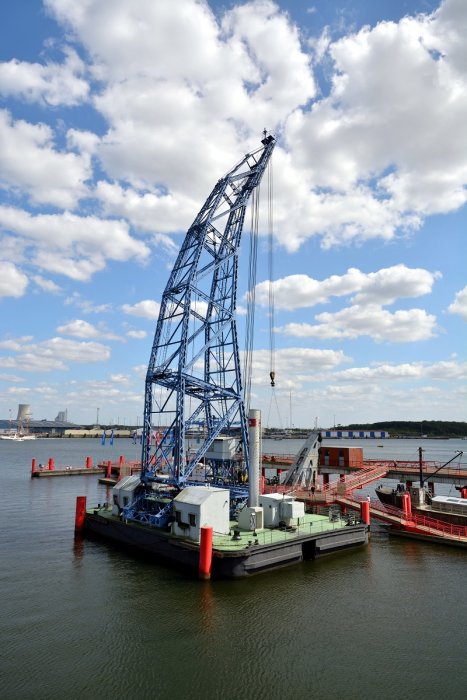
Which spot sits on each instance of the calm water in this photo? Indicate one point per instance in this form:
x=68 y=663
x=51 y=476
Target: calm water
x=80 y=619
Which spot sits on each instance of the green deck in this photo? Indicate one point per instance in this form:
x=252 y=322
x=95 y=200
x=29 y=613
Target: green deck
x=309 y=525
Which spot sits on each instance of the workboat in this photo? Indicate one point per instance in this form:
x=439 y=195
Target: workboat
x=449 y=509
x=198 y=498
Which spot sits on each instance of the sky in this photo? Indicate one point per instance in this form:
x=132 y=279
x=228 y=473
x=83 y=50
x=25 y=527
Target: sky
x=117 y=118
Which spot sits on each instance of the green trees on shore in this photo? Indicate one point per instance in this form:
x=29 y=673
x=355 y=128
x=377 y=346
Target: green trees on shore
x=428 y=428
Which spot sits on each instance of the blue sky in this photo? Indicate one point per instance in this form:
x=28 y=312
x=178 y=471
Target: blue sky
x=117 y=117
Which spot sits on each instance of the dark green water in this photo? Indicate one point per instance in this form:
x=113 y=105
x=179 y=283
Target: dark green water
x=80 y=619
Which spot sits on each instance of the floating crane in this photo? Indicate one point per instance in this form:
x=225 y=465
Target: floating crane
x=193 y=389
x=195 y=420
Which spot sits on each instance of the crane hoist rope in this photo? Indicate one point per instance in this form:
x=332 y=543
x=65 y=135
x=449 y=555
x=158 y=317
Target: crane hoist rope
x=250 y=319
x=272 y=349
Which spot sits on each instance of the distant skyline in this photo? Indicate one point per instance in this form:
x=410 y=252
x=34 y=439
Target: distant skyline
x=117 y=117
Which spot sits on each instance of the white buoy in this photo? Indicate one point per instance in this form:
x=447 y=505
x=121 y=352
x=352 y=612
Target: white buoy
x=254 y=434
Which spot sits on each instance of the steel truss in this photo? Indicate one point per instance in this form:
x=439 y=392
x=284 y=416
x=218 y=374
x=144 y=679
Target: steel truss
x=193 y=387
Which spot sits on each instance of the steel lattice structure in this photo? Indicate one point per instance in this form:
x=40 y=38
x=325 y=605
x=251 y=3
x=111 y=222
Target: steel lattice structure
x=193 y=382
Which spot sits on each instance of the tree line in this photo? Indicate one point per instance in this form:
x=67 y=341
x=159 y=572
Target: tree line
x=430 y=428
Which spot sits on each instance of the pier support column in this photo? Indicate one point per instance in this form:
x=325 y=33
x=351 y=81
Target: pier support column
x=365 y=512
x=51 y=464
x=33 y=467
x=254 y=433
x=88 y=462
x=80 y=513
x=205 y=553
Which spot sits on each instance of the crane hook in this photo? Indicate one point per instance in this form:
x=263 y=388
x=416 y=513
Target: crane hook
x=273 y=376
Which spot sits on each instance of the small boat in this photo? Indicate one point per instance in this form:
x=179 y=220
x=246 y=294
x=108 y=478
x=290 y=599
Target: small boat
x=12 y=436
x=18 y=434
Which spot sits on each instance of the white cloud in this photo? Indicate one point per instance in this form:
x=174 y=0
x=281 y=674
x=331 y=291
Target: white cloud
x=46 y=285
x=392 y=140
x=146 y=309
x=86 y=306
x=13 y=282
x=53 y=83
x=138 y=335
x=11 y=378
x=83 y=329
x=413 y=371
x=53 y=354
x=403 y=326
x=79 y=329
x=48 y=175
x=71 y=245
x=148 y=211
x=459 y=305
x=382 y=287
x=291 y=362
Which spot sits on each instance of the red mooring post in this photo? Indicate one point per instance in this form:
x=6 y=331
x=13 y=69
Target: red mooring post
x=205 y=553
x=33 y=467
x=51 y=464
x=88 y=462
x=80 y=513
x=464 y=492
x=108 y=471
x=407 y=506
x=365 y=512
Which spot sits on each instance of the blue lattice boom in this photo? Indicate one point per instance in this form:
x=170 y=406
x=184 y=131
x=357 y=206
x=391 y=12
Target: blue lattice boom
x=193 y=387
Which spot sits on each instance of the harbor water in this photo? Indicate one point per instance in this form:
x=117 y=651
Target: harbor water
x=82 y=619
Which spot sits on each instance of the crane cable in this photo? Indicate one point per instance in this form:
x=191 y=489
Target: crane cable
x=272 y=349
x=250 y=319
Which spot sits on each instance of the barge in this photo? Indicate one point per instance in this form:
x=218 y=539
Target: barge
x=240 y=548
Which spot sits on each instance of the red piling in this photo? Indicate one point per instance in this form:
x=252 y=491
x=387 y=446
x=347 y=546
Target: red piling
x=407 y=506
x=205 y=553
x=365 y=512
x=33 y=467
x=88 y=462
x=80 y=513
x=464 y=492
x=51 y=464
x=108 y=471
